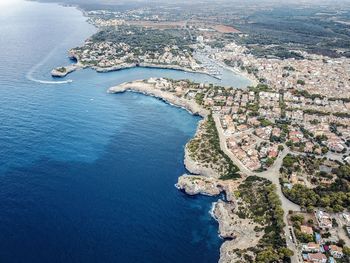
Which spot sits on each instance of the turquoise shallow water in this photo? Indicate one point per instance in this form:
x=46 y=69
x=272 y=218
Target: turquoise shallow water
x=87 y=176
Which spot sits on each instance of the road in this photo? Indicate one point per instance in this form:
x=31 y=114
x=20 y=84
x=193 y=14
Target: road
x=271 y=174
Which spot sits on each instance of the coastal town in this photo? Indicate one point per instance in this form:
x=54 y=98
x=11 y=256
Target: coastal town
x=244 y=137
x=284 y=140
x=175 y=131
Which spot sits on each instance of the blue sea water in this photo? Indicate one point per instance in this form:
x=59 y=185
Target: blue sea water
x=87 y=176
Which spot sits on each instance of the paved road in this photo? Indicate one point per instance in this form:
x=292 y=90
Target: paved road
x=271 y=174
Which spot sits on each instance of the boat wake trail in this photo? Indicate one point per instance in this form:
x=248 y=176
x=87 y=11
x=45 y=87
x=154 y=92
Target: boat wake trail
x=48 y=81
x=30 y=73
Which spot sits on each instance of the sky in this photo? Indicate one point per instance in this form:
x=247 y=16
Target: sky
x=270 y=3
x=193 y=1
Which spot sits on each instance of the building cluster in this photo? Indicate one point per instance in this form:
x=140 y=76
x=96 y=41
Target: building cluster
x=102 y=54
x=310 y=172
x=100 y=22
x=325 y=246
x=252 y=124
x=249 y=130
x=111 y=54
x=171 y=55
x=248 y=137
x=311 y=95
x=132 y=14
x=315 y=73
x=256 y=131
x=330 y=110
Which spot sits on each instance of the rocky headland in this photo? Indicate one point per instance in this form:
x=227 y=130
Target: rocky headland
x=147 y=88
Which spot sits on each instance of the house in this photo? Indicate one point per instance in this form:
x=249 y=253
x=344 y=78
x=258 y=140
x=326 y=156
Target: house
x=273 y=152
x=346 y=216
x=323 y=219
x=276 y=132
x=306 y=230
x=336 y=252
x=309 y=146
x=294 y=179
x=311 y=247
x=317 y=258
x=335 y=146
x=295 y=136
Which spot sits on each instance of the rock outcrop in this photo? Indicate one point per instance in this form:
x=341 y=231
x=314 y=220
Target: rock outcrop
x=197 y=168
x=61 y=72
x=194 y=185
x=239 y=233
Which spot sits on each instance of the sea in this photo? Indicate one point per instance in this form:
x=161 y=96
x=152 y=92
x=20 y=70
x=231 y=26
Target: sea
x=87 y=176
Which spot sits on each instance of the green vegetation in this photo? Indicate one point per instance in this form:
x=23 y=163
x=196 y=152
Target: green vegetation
x=270 y=161
x=141 y=39
x=346 y=251
x=260 y=87
x=253 y=107
x=199 y=98
x=306 y=94
x=342 y=114
x=289 y=68
x=61 y=69
x=315 y=112
x=301 y=82
x=264 y=122
x=334 y=196
x=298 y=220
x=205 y=148
x=263 y=205
x=279 y=30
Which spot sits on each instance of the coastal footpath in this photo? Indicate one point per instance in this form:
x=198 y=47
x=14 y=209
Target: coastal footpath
x=213 y=172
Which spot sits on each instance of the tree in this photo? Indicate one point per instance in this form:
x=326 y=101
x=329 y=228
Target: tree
x=346 y=251
x=285 y=252
x=270 y=161
x=289 y=160
x=297 y=218
x=341 y=243
x=301 y=82
x=266 y=256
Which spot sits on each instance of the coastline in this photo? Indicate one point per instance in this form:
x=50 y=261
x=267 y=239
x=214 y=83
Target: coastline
x=236 y=233
x=140 y=86
x=73 y=67
x=237 y=71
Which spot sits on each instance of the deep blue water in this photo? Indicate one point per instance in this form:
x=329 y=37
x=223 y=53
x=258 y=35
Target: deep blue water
x=87 y=176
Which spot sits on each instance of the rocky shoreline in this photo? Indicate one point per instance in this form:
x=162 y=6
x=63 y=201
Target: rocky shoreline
x=61 y=72
x=143 y=87
x=196 y=168
x=237 y=233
